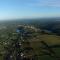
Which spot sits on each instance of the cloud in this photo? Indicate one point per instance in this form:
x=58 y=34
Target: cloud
x=47 y=3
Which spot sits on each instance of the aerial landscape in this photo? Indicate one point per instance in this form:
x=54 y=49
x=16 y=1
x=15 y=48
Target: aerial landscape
x=40 y=39
x=30 y=30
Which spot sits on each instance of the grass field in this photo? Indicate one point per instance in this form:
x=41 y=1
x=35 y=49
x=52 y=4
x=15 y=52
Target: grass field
x=50 y=40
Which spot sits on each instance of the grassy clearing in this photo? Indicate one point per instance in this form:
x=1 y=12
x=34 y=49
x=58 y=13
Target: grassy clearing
x=50 y=40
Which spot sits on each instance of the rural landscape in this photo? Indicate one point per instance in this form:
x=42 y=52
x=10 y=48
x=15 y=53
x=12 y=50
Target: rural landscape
x=29 y=29
x=30 y=39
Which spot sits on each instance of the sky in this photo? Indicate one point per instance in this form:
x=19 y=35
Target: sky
x=16 y=9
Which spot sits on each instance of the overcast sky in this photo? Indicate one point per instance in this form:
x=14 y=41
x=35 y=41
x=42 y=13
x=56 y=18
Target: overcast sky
x=12 y=9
